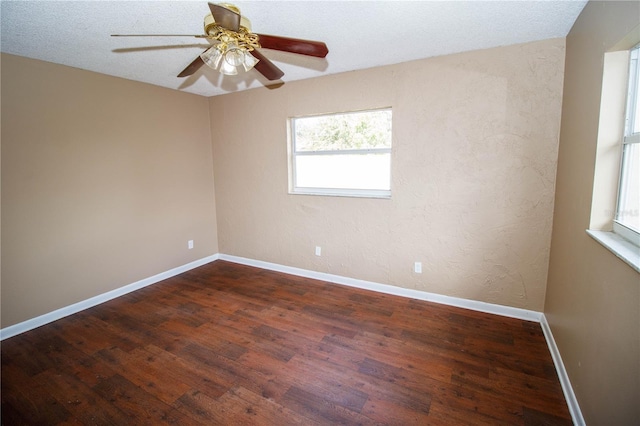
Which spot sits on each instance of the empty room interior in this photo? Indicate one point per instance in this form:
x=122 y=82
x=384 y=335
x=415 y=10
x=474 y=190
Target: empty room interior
x=160 y=265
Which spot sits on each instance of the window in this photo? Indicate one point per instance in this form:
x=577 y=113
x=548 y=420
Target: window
x=616 y=180
x=627 y=220
x=346 y=154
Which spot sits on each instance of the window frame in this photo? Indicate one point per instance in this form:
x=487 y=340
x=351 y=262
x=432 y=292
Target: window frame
x=336 y=192
x=629 y=138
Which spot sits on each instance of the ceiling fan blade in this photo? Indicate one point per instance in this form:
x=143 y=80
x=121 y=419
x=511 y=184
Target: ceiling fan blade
x=224 y=17
x=192 y=67
x=294 y=45
x=266 y=67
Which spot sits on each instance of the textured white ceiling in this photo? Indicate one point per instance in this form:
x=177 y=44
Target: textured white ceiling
x=359 y=34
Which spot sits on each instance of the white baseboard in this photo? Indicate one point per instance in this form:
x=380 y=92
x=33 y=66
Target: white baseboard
x=490 y=308
x=13 y=330
x=506 y=311
x=567 y=389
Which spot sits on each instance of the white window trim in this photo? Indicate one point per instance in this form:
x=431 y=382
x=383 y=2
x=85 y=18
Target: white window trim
x=634 y=138
x=627 y=233
x=346 y=152
x=334 y=192
x=621 y=240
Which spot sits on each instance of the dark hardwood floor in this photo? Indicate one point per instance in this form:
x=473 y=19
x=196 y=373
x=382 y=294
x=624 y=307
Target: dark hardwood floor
x=230 y=344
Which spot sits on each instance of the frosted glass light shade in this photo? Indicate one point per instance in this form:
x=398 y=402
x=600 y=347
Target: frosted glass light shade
x=234 y=56
x=227 y=69
x=249 y=61
x=227 y=58
x=212 y=57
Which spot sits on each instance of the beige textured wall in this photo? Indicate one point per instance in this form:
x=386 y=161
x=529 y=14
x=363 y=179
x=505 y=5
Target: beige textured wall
x=103 y=182
x=475 y=139
x=593 y=298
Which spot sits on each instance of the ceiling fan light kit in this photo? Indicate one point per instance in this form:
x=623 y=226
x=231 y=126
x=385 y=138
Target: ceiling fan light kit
x=235 y=47
x=232 y=48
x=227 y=58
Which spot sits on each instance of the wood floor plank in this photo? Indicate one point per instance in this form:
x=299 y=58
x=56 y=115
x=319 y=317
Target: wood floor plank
x=331 y=376
x=202 y=408
x=251 y=408
x=140 y=368
x=232 y=344
x=382 y=411
x=25 y=399
x=256 y=373
x=90 y=334
x=140 y=406
x=319 y=408
x=80 y=400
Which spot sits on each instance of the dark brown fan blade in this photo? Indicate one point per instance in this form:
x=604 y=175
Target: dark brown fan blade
x=294 y=45
x=224 y=17
x=266 y=67
x=192 y=67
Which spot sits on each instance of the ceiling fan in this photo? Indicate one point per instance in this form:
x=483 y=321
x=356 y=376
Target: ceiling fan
x=235 y=47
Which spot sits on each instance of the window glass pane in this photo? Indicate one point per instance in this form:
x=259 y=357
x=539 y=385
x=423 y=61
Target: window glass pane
x=355 y=130
x=633 y=107
x=636 y=121
x=629 y=198
x=365 y=171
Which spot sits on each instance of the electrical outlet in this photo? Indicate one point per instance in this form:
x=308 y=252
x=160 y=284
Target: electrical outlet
x=190 y=244
x=417 y=267
x=318 y=251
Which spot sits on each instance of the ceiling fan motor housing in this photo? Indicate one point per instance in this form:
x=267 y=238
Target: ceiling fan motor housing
x=210 y=24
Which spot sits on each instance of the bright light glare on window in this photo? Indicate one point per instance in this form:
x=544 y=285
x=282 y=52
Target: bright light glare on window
x=629 y=202
x=369 y=171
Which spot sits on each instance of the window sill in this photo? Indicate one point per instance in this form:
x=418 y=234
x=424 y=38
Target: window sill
x=622 y=248
x=354 y=193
